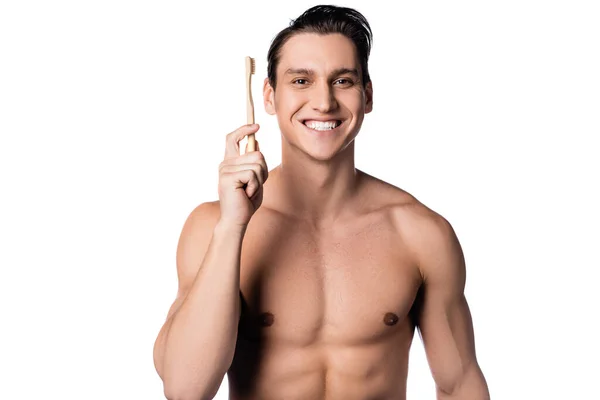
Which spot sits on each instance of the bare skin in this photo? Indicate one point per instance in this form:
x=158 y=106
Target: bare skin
x=337 y=268
x=326 y=312
x=331 y=313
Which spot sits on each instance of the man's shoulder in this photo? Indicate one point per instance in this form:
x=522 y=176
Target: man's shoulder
x=427 y=234
x=202 y=218
x=418 y=224
x=407 y=210
x=207 y=210
x=410 y=212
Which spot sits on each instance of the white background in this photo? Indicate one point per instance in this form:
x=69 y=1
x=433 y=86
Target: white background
x=113 y=116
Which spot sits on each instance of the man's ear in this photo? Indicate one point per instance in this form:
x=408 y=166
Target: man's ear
x=269 y=97
x=369 y=97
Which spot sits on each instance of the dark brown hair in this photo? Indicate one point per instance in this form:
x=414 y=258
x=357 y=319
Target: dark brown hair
x=323 y=20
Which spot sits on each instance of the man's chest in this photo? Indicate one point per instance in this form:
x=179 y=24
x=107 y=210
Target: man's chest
x=348 y=286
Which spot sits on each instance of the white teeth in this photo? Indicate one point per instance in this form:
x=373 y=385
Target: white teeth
x=321 y=126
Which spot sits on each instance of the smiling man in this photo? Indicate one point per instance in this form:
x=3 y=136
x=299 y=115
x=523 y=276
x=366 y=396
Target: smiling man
x=318 y=295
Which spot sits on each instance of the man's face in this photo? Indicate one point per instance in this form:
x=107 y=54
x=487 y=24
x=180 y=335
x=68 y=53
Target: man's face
x=315 y=81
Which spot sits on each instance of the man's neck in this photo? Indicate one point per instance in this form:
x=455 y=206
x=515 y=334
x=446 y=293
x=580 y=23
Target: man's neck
x=318 y=192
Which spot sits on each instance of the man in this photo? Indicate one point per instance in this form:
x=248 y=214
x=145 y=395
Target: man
x=310 y=285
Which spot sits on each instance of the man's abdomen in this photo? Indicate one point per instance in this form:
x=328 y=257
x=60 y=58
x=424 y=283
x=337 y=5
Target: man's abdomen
x=322 y=370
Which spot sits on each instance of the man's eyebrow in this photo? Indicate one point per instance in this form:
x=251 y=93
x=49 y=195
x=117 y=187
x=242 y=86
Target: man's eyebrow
x=310 y=72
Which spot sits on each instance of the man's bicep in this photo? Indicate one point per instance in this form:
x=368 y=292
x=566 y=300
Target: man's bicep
x=443 y=316
x=194 y=240
x=447 y=332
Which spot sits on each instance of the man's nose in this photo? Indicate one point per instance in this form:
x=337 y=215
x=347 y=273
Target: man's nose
x=323 y=98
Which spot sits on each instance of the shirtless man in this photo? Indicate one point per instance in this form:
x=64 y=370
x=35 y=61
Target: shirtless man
x=310 y=285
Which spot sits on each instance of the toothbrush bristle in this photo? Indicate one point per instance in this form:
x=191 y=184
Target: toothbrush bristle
x=253 y=65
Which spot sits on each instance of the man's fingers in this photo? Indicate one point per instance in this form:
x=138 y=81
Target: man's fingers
x=232 y=146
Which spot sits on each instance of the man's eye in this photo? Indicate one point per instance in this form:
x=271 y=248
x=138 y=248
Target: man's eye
x=345 y=81
x=298 y=81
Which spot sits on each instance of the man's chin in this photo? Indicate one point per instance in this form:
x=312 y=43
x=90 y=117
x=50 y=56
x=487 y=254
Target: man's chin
x=319 y=151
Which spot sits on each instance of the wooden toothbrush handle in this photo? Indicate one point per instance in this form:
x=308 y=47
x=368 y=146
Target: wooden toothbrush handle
x=250 y=114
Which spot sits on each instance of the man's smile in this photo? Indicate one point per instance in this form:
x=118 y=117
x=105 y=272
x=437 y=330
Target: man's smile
x=322 y=125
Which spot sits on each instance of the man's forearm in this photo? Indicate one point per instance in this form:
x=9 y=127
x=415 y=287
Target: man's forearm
x=471 y=386
x=199 y=343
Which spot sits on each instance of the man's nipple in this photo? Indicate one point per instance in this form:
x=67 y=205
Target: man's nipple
x=266 y=319
x=390 y=319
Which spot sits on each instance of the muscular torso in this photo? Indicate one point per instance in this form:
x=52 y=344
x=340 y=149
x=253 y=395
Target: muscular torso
x=326 y=313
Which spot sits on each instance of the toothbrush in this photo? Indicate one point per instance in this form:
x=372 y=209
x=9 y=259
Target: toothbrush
x=250 y=70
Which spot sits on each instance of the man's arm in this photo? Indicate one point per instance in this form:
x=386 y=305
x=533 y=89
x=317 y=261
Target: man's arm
x=443 y=316
x=195 y=346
